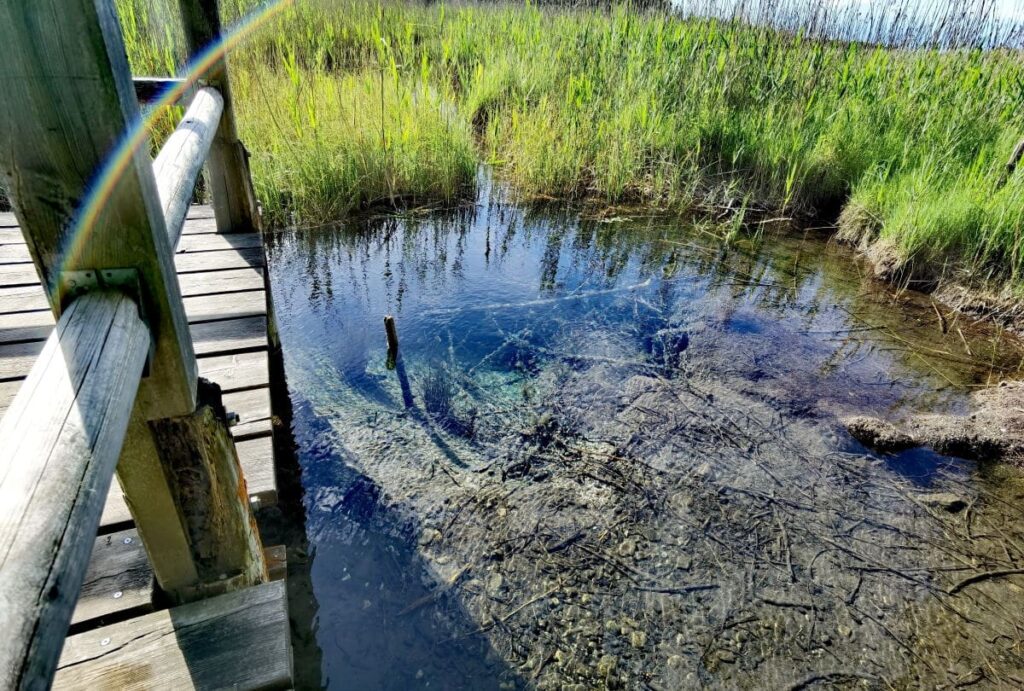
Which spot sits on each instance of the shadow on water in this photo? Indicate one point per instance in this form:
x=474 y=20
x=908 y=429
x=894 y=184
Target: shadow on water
x=378 y=625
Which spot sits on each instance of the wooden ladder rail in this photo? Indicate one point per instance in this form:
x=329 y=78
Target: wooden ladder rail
x=117 y=382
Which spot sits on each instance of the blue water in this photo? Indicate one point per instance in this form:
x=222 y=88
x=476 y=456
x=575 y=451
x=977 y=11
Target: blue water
x=489 y=300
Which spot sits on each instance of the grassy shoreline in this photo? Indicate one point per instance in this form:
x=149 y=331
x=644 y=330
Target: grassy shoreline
x=348 y=103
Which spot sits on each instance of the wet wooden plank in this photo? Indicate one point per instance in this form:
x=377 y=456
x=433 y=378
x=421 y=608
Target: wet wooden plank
x=7 y=219
x=211 y=282
x=119 y=580
x=239 y=640
x=239 y=371
x=233 y=335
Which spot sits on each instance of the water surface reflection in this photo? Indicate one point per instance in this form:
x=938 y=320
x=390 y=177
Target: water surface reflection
x=609 y=455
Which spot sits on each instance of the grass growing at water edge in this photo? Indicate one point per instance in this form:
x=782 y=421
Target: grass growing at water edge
x=346 y=103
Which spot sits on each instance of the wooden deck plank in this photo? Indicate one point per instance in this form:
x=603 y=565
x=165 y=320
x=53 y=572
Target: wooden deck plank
x=211 y=282
x=256 y=456
x=18 y=275
x=209 y=242
x=231 y=336
x=209 y=338
x=8 y=390
x=18 y=327
x=15 y=254
x=202 y=308
x=8 y=220
x=116 y=515
x=236 y=372
x=26 y=326
x=200 y=211
x=16 y=359
x=222 y=281
x=28 y=298
x=119 y=580
x=239 y=640
x=253 y=409
x=196 y=262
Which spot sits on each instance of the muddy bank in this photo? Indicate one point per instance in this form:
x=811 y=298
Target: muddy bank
x=993 y=430
x=949 y=283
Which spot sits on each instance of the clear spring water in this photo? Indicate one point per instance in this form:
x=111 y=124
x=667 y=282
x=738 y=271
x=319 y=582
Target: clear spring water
x=520 y=331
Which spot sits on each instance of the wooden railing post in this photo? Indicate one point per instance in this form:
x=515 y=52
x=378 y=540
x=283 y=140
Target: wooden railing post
x=91 y=214
x=233 y=197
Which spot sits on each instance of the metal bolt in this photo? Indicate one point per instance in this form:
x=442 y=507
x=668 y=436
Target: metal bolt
x=117 y=595
x=127 y=541
x=105 y=641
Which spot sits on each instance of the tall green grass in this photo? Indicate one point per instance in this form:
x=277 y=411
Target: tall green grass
x=624 y=107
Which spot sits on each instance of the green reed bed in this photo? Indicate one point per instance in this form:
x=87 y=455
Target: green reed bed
x=347 y=103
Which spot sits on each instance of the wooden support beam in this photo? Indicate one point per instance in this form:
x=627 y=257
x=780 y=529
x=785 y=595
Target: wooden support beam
x=75 y=158
x=206 y=479
x=180 y=161
x=68 y=105
x=233 y=197
x=59 y=443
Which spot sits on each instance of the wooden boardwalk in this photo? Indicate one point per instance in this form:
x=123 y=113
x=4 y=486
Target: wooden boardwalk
x=119 y=633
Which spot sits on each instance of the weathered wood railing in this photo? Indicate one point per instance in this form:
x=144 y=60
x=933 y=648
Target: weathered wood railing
x=116 y=383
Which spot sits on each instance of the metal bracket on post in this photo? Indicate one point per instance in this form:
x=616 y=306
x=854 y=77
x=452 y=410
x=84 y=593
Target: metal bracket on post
x=74 y=284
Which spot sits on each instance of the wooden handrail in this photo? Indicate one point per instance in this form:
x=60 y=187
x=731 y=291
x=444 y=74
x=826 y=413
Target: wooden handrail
x=69 y=98
x=181 y=159
x=59 y=445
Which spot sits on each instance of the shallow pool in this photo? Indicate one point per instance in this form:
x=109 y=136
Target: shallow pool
x=609 y=455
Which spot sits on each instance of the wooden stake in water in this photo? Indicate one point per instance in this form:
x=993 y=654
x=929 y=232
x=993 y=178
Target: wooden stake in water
x=392 y=332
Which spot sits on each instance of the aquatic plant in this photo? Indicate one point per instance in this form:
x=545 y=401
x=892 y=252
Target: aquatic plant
x=777 y=108
x=438 y=393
